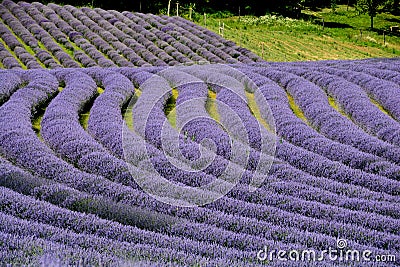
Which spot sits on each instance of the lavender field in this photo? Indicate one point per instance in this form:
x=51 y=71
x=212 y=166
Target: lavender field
x=39 y=36
x=122 y=145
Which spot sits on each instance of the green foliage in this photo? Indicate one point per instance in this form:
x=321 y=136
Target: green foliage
x=334 y=5
x=370 y=7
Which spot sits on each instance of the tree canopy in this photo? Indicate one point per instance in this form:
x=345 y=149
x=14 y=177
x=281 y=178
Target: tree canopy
x=289 y=8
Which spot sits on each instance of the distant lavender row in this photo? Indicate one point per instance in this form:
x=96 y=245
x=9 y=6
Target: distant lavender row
x=53 y=36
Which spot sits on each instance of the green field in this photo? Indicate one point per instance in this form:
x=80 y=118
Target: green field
x=320 y=35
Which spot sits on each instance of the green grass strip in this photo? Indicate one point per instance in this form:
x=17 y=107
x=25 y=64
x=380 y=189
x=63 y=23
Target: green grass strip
x=170 y=107
x=252 y=104
x=211 y=105
x=127 y=111
x=84 y=115
x=296 y=109
x=374 y=102
x=335 y=105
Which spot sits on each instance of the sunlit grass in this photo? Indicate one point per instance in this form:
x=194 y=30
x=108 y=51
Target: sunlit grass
x=279 y=39
x=256 y=111
x=335 y=105
x=375 y=103
x=296 y=109
x=127 y=111
x=84 y=115
x=170 y=107
x=211 y=105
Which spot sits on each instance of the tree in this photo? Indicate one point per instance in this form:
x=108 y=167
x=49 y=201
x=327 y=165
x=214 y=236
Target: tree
x=369 y=6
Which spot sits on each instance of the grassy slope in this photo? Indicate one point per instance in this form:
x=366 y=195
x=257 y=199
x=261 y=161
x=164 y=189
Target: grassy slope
x=294 y=40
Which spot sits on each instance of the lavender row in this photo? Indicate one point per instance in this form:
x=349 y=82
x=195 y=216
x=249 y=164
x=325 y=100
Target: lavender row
x=232 y=100
x=384 y=89
x=290 y=127
x=29 y=250
x=9 y=83
x=23 y=19
x=325 y=118
x=111 y=136
x=356 y=103
x=44 y=193
x=7 y=60
x=67 y=197
x=112 y=238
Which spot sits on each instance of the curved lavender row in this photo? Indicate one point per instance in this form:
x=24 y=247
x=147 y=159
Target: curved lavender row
x=9 y=83
x=192 y=213
x=65 y=135
x=105 y=122
x=297 y=132
x=116 y=250
x=385 y=64
x=236 y=103
x=20 y=144
x=373 y=220
x=106 y=111
x=65 y=177
x=102 y=111
x=60 y=216
x=103 y=234
x=348 y=175
x=26 y=250
x=149 y=117
x=44 y=193
x=225 y=221
x=385 y=90
x=28 y=184
x=287 y=152
x=314 y=162
x=356 y=103
x=325 y=118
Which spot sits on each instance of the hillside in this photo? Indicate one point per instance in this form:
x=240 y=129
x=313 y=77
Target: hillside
x=345 y=35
